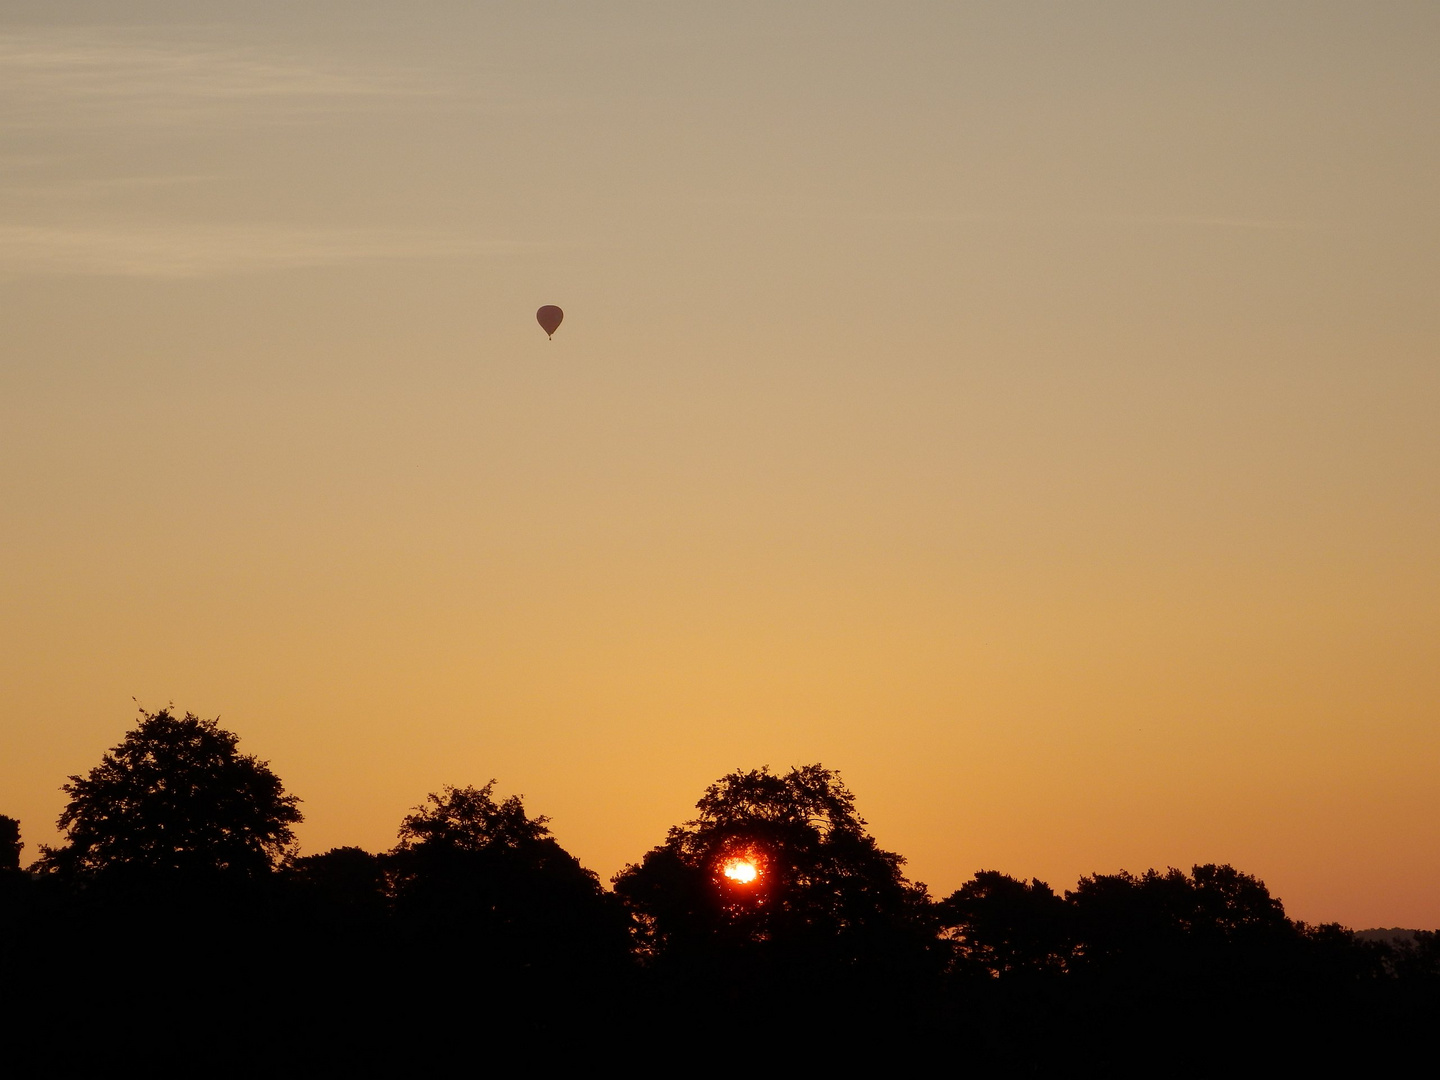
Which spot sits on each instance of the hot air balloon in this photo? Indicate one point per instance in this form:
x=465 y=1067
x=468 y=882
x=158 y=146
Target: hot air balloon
x=549 y=318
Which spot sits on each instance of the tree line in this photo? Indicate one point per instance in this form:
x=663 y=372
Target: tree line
x=177 y=918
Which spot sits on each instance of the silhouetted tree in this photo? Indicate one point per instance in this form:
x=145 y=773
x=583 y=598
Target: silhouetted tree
x=10 y=843
x=175 y=796
x=1176 y=958
x=344 y=890
x=337 y=937
x=1419 y=958
x=160 y=901
x=1001 y=926
x=470 y=820
x=1214 y=914
x=478 y=875
x=807 y=892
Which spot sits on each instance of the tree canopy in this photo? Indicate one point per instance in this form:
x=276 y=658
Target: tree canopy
x=469 y=819
x=480 y=875
x=10 y=843
x=1000 y=925
x=1158 y=917
x=176 y=796
x=777 y=862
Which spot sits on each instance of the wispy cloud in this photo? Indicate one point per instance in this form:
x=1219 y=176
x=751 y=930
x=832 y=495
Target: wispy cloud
x=90 y=75
x=62 y=91
x=90 y=186
x=197 y=251
x=805 y=205
x=1214 y=221
x=1195 y=220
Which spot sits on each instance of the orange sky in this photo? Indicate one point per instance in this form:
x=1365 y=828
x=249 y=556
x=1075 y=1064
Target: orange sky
x=1026 y=409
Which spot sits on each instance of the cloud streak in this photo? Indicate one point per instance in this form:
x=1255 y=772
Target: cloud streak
x=200 y=251
x=101 y=75
x=1215 y=221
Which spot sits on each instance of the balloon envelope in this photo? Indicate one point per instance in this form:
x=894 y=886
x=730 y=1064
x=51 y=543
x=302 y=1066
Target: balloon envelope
x=549 y=318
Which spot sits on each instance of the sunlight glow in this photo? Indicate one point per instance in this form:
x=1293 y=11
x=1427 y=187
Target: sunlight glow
x=741 y=871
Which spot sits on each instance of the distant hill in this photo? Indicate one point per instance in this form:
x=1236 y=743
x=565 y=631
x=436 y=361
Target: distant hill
x=1392 y=936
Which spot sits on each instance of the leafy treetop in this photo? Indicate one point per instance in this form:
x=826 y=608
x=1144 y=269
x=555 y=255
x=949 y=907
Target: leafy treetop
x=176 y=796
x=822 y=884
x=469 y=819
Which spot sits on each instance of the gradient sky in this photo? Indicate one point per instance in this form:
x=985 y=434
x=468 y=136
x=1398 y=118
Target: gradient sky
x=1027 y=409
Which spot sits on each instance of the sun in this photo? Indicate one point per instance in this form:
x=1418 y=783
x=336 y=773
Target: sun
x=740 y=870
